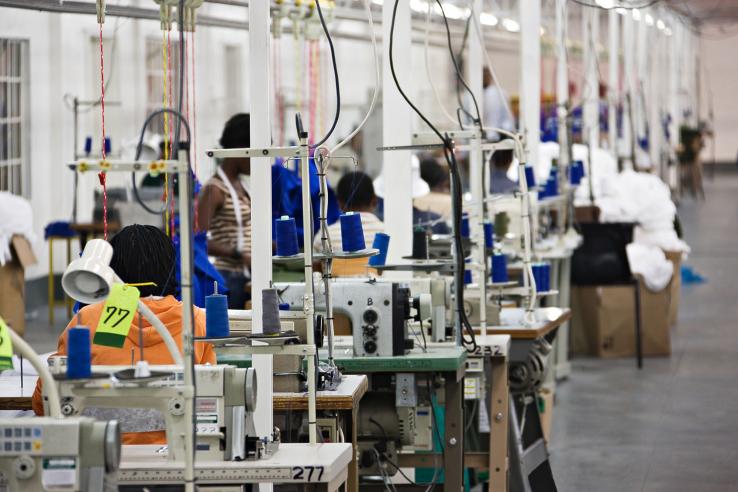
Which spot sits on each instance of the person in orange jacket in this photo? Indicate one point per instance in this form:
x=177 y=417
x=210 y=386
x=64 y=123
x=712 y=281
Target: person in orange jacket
x=141 y=254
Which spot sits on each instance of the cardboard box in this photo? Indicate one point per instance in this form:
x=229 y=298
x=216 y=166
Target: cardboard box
x=12 y=284
x=603 y=321
x=676 y=285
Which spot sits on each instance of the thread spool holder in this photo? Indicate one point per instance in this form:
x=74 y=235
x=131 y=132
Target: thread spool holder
x=301 y=153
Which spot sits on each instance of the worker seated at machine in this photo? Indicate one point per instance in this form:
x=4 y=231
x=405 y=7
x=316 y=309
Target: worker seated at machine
x=355 y=193
x=144 y=256
x=499 y=182
x=438 y=201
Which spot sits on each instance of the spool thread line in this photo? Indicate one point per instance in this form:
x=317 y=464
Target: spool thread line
x=102 y=176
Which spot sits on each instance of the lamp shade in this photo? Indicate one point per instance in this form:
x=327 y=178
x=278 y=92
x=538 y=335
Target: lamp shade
x=88 y=278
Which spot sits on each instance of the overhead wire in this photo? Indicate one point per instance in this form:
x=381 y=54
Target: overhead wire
x=457 y=195
x=102 y=176
x=335 y=76
x=439 y=101
x=377 y=77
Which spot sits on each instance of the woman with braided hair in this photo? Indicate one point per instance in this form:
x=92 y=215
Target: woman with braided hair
x=142 y=254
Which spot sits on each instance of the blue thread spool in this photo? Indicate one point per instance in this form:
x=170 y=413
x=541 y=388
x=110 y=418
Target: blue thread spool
x=537 y=279
x=108 y=145
x=286 y=233
x=381 y=242
x=79 y=357
x=352 y=233
x=489 y=235
x=465 y=229
x=546 y=276
x=576 y=172
x=542 y=193
x=530 y=176
x=216 y=315
x=552 y=186
x=467 y=275
x=499 y=268
x=284 y=306
x=88 y=145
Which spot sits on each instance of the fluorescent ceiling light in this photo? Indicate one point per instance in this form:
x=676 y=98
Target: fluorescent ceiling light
x=621 y=11
x=667 y=31
x=606 y=4
x=452 y=11
x=636 y=15
x=660 y=25
x=649 y=20
x=510 y=25
x=488 y=19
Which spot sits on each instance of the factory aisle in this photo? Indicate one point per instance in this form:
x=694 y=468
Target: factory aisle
x=673 y=425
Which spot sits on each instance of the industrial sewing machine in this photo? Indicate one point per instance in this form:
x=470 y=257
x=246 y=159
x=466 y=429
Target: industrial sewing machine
x=76 y=454
x=226 y=399
x=377 y=311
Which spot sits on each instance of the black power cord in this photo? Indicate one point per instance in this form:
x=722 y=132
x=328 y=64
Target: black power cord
x=335 y=77
x=448 y=151
x=478 y=121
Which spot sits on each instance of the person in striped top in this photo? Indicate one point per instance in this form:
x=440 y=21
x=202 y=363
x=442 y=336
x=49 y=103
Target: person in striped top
x=224 y=211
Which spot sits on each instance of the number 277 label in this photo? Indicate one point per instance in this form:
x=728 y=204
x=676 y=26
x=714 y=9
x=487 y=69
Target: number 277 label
x=307 y=473
x=117 y=316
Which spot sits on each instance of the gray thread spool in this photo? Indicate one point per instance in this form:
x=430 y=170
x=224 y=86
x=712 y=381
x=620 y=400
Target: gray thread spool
x=270 y=311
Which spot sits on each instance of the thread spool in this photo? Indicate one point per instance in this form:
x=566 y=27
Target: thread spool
x=465 y=229
x=108 y=145
x=352 y=232
x=546 y=276
x=286 y=235
x=79 y=353
x=552 y=186
x=489 y=235
x=216 y=315
x=536 y=267
x=420 y=244
x=499 y=268
x=576 y=172
x=88 y=145
x=381 y=243
x=530 y=176
x=270 y=312
x=467 y=274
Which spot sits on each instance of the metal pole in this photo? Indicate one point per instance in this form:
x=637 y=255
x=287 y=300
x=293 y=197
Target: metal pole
x=530 y=76
x=562 y=86
x=309 y=296
x=614 y=80
x=185 y=255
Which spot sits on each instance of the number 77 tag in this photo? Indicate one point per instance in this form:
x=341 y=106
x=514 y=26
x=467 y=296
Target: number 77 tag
x=117 y=316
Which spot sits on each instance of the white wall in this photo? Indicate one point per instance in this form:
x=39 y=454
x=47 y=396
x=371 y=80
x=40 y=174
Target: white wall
x=718 y=86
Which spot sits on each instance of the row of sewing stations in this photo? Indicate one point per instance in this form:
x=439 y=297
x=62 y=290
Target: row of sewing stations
x=416 y=374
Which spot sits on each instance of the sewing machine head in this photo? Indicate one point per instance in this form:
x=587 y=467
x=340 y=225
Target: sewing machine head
x=376 y=311
x=226 y=399
x=50 y=454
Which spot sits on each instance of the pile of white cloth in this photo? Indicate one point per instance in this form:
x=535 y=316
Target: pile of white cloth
x=627 y=196
x=16 y=217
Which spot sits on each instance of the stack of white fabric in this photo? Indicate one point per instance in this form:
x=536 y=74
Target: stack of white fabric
x=628 y=197
x=16 y=217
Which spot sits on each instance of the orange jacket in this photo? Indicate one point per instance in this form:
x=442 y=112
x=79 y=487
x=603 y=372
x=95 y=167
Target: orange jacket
x=169 y=311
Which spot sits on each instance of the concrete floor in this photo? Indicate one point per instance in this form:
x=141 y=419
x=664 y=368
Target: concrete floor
x=672 y=426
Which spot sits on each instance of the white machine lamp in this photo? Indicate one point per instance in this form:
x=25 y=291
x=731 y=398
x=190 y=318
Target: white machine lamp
x=89 y=279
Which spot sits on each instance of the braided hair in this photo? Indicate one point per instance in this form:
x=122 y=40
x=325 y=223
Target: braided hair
x=143 y=253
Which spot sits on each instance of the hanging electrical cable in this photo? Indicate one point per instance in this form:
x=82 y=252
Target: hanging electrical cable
x=335 y=76
x=431 y=79
x=377 y=76
x=470 y=342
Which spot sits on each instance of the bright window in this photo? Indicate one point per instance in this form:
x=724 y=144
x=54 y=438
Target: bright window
x=14 y=122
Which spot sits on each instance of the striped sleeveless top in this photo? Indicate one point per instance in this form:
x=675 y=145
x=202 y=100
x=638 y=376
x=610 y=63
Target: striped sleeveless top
x=224 y=228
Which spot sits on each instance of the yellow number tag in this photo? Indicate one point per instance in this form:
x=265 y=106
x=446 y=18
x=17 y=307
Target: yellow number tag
x=6 y=347
x=117 y=316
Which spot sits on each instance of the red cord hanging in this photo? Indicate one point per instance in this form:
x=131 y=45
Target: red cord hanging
x=102 y=176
